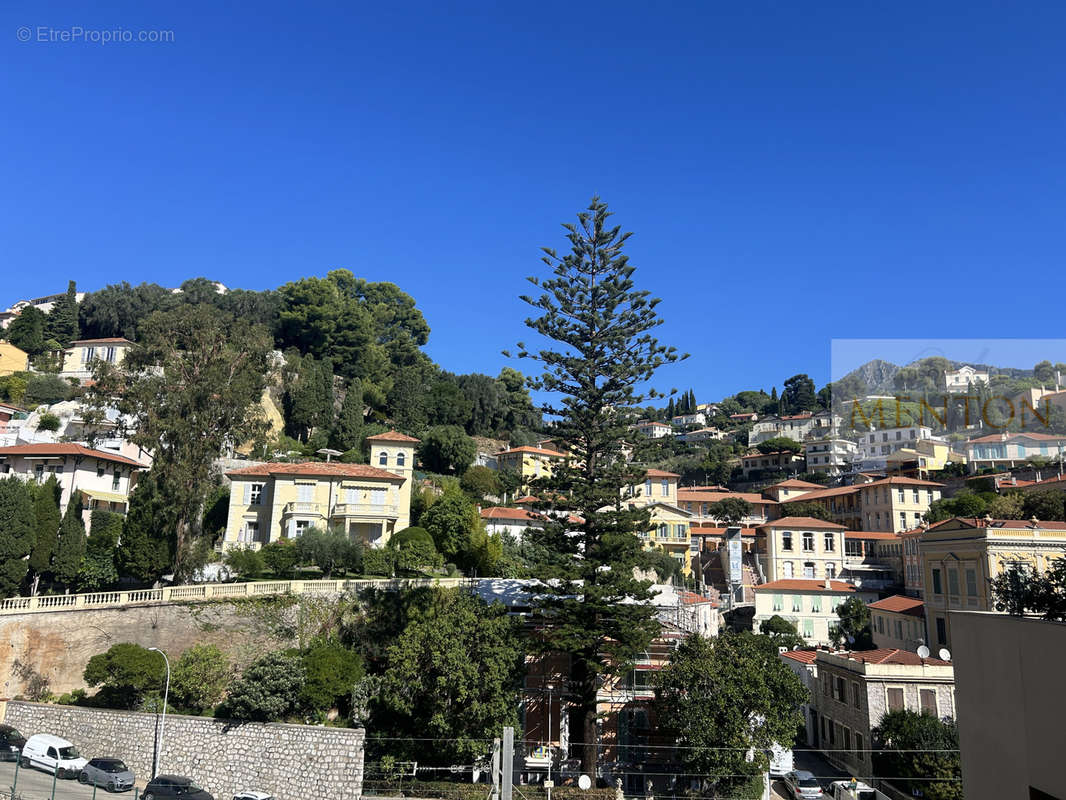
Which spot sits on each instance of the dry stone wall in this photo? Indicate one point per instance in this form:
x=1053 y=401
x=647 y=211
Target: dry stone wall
x=290 y=762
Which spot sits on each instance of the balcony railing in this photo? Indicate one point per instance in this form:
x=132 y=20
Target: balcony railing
x=303 y=508
x=366 y=510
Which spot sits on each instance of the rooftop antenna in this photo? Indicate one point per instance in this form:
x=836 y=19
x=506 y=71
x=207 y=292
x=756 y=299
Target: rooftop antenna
x=329 y=453
x=945 y=654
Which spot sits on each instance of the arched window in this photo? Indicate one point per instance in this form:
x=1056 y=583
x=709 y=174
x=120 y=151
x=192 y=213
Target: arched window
x=383 y=459
x=401 y=458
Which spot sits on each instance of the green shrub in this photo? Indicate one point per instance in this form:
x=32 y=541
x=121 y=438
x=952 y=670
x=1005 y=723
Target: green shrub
x=269 y=689
x=332 y=670
x=48 y=422
x=247 y=563
x=379 y=562
x=280 y=557
x=200 y=676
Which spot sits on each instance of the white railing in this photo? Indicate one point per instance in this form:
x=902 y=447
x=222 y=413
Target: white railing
x=209 y=591
x=365 y=509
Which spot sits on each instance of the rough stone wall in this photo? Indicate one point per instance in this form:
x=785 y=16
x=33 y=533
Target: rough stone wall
x=295 y=762
x=58 y=645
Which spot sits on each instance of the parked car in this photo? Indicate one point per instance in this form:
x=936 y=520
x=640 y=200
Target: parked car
x=249 y=794
x=803 y=786
x=52 y=754
x=11 y=743
x=167 y=786
x=110 y=773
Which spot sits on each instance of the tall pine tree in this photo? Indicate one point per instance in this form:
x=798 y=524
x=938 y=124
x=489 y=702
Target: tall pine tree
x=46 y=513
x=599 y=325
x=70 y=548
x=62 y=324
x=348 y=431
x=16 y=532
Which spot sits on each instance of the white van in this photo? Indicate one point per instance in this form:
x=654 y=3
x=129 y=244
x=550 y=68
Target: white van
x=52 y=754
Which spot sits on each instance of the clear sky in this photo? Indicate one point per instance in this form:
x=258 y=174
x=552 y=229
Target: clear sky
x=793 y=172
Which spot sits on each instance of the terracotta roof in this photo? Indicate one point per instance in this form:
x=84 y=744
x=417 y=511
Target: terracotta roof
x=795 y=483
x=818 y=494
x=880 y=535
x=716 y=530
x=535 y=450
x=804 y=585
x=900 y=481
x=1044 y=482
x=392 y=436
x=899 y=604
x=110 y=340
x=996 y=437
x=527 y=499
x=501 y=512
x=316 y=469
x=892 y=656
x=774 y=453
x=803 y=656
x=802 y=522
x=804 y=415
x=976 y=522
x=648 y=422
x=697 y=496
x=67 y=449
x=658 y=473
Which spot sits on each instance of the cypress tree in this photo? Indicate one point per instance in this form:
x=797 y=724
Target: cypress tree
x=62 y=324
x=147 y=543
x=70 y=548
x=47 y=520
x=594 y=609
x=347 y=433
x=16 y=532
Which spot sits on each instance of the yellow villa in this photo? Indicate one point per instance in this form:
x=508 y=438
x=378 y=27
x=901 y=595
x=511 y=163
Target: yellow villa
x=370 y=503
x=530 y=462
x=670 y=524
x=12 y=359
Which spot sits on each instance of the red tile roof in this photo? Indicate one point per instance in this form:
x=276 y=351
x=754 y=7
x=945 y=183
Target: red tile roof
x=975 y=522
x=316 y=469
x=998 y=437
x=899 y=604
x=110 y=340
x=697 y=496
x=880 y=535
x=892 y=656
x=392 y=436
x=716 y=530
x=543 y=451
x=804 y=585
x=802 y=522
x=818 y=494
x=795 y=483
x=803 y=656
x=658 y=473
x=67 y=449
x=501 y=512
x=901 y=481
x=527 y=499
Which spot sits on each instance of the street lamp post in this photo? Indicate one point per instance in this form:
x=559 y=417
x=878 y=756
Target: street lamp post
x=163 y=720
x=549 y=781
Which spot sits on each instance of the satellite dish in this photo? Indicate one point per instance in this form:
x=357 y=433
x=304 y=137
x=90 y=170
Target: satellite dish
x=945 y=654
x=923 y=652
x=584 y=782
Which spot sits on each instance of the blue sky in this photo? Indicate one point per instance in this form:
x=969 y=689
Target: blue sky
x=793 y=173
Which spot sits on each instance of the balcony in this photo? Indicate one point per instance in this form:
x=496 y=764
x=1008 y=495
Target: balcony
x=311 y=509
x=375 y=511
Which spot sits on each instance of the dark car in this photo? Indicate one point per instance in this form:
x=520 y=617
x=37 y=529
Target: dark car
x=11 y=743
x=110 y=773
x=167 y=786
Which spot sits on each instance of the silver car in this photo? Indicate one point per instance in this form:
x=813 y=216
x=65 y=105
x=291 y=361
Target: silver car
x=110 y=773
x=803 y=785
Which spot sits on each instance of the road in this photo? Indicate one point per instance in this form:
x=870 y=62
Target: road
x=815 y=763
x=33 y=784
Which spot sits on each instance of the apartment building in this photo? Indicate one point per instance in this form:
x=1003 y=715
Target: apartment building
x=529 y=462
x=698 y=500
x=684 y=420
x=778 y=461
x=1007 y=450
x=795 y=426
x=889 y=504
x=876 y=446
x=278 y=500
x=964 y=379
x=810 y=605
x=790 y=489
x=831 y=455
x=913 y=585
x=801 y=547
x=871 y=560
x=856 y=689
x=960 y=556
x=670 y=525
x=898 y=623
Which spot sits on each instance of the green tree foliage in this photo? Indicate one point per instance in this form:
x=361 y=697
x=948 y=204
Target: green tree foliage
x=62 y=322
x=190 y=386
x=247 y=563
x=267 y=691
x=446 y=448
x=481 y=482
x=779 y=444
x=48 y=519
x=46 y=389
x=98 y=570
x=120 y=309
x=453 y=675
x=799 y=394
x=329 y=550
x=17 y=532
x=70 y=547
x=27 y=331
x=331 y=671
x=782 y=632
x=1046 y=505
x=1044 y=372
x=963 y=504
x=730 y=510
x=912 y=750
x=1020 y=591
x=125 y=673
x=146 y=547
x=280 y=557
x=48 y=422
x=600 y=325
x=13 y=387
x=1008 y=506
x=809 y=509
x=521 y=415
x=665 y=565
x=853 y=630
x=308 y=400
x=718 y=698
x=216 y=512
x=414 y=548
x=200 y=676
x=447 y=404
x=452 y=521
x=348 y=429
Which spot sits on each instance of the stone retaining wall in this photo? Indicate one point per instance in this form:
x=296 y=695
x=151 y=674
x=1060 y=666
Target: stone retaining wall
x=290 y=762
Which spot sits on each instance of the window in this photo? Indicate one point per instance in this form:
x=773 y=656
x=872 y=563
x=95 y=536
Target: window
x=99 y=470
x=251 y=532
x=833 y=732
x=914 y=499
x=928 y=697
x=665 y=487
x=797 y=603
x=830 y=570
x=895 y=699
x=808 y=628
x=255 y=495
x=38 y=473
x=855 y=695
x=779 y=602
x=300 y=526
x=377 y=497
x=401 y=459
x=808 y=542
x=647 y=488
x=786 y=568
x=383 y=459
x=937 y=588
x=115 y=481
x=880 y=624
x=305 y=492
x=87 y=354
x=840 y=690
x=941 y=631
x=971 y=583
x=953 y=581
x=830 y=542
x=825 y=729
x=786 y=540
x=902 y=496
x=847 y=738
x=808 y=569
x=903 y=520
x=859 y=752
x=816 y=604
x=899 y=629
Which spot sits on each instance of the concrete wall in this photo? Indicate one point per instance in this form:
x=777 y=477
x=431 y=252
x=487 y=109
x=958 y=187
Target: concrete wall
x=296 y=762
x=58 y=645
x=1011 y=704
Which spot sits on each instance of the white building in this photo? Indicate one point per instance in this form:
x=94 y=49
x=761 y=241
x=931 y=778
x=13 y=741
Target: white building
x=876 y=445
x=681 y=420
x=831 y=454
x=511 y=521
x=653 y=429
x=794 y=426
x=963 y=379
x=810 y=605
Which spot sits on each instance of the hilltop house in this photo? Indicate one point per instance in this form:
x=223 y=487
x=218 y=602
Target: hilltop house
x=276 y=500
x=12 y=359
x=653 y=429
x=529 y=462
x=1006 y=450
x=82 y=355
x=964 y=379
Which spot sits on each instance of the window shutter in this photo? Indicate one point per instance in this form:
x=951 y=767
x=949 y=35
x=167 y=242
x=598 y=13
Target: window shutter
x=247 y=494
